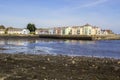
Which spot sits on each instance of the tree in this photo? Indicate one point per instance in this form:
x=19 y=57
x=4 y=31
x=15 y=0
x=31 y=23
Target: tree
x=2 y=27
x=31 y=27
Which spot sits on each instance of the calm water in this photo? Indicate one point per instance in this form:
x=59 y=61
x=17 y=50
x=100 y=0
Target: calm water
x=106 y=48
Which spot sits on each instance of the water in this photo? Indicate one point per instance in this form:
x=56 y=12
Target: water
x=106 y=48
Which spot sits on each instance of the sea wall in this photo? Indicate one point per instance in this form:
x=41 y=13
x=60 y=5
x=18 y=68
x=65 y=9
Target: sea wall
x=70 y=37
x=83 y=37
x=106 y=37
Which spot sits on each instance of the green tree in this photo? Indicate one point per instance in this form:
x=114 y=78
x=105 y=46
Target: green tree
x=31 y=27
x=2 y=27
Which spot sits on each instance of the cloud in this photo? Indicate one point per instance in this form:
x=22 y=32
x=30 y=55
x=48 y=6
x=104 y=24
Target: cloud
x=91 y=4
x=97 y=2
x=79 y=5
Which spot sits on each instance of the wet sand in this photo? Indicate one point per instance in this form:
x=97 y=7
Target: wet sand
x=59 y=67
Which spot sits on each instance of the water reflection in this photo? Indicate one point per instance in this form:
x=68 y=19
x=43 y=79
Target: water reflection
x=65 y=47
x=80 y=42
x=22 y=42
x=2 y=42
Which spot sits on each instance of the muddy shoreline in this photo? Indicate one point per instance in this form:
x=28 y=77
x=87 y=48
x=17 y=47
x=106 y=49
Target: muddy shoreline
x=59 y=67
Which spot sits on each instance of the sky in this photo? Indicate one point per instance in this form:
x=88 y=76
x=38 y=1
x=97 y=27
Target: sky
x=57 y=13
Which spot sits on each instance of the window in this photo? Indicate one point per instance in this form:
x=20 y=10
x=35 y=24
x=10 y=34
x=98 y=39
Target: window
x=78 y=31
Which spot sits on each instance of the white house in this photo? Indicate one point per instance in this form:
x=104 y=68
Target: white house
x=14 y=31
x=51 y=31
x=105 y=32
x=87 y=29
x=18 y=31
x=25 y=31
x=68 y=30
x=80 y=30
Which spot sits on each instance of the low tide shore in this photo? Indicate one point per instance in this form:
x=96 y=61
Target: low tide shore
x=59 y=67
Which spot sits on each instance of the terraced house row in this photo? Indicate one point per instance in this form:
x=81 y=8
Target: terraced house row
x=14 y=31
x=74 y=30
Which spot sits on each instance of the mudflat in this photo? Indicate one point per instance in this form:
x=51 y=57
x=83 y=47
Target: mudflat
x=57 y=67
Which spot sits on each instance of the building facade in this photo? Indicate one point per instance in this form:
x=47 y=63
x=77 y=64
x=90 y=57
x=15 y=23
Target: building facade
x=2 y=31
x=25 y=31
x=68 y=31
x=42 y=31
x=18 y=31
x=80 y=30
x=74 y=30
x=14 y=31
x=87 y=29
x=51 y=31
x=58 y=31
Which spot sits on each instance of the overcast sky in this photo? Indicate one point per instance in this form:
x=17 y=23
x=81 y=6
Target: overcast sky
x=53 y=13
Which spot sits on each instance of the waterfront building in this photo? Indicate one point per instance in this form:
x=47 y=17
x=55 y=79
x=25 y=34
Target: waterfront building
x=51 y=31
x=74 y=30
x=110 y=31
x=68 y=31
x=2 y=31
x=25 y=31
x=42 y=31
x=96 y=31
x=14 y=31
x=87 y=29
x=58 y=31
x=80 y=30
x=106 y=32
x=63 y=30
x=17 y=31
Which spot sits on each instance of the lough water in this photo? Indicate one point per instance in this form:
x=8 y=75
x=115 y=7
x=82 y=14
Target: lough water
x=106 y=48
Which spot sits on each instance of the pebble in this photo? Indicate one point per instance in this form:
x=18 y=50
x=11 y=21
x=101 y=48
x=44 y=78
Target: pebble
x=66 y=65
x=73 y=62
x=116 y=68
x=45 y=79
x=93 y=65
x=48 y=59
x=43 y=67
x=118 y=62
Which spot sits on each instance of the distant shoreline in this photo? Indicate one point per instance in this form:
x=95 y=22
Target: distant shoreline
x=70 y=37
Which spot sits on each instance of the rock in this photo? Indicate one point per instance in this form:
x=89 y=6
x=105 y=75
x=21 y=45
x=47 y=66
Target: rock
x=118 y=62
x=73 y=62
x=43 y=67
x=45 y=79
x=48 y=59
x=33 y=67
x=116 y=68
x=93 y=65
x=66 y=65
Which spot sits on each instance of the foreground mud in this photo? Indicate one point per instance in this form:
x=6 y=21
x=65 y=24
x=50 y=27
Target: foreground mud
x=49 y=67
